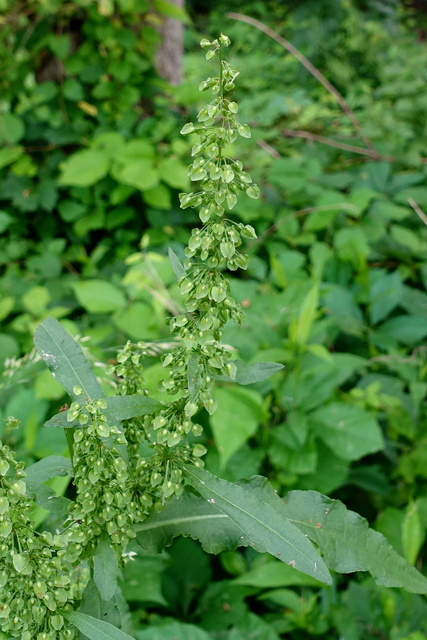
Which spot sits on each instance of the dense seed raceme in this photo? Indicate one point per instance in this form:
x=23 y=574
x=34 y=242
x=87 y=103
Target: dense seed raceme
x=211 y=249
x=36 y=584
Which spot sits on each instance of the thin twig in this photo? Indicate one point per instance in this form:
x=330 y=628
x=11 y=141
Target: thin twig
x=313 y=137
x=269 y=149
x=310 y=68
x=418 y=210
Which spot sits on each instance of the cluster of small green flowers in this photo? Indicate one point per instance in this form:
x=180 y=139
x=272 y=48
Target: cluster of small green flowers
x=36 y=586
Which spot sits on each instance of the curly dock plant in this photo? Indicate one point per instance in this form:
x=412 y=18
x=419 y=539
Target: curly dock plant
x=55 y=586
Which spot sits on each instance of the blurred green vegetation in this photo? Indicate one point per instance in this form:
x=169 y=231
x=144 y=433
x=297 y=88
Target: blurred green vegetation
x=91 y=164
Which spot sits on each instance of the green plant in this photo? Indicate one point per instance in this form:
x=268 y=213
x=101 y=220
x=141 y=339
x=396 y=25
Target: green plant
x=136 y=462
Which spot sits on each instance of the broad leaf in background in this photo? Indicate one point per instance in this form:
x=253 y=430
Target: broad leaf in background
x=99 y=296
x=118 y=408
x=96 y=629
x=66 y=360
x=84 y=168
x=193 y=516
x=349 y=431
x=268 y=529
x=105 y=569
x=236 y=419
x=174 y=631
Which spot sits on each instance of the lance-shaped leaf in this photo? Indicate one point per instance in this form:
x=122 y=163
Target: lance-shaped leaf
x=346 y=541
x=46 y=498
x=251 y=373
x=96 y=629
x=268 y=528
x=194 y=376
x=105 y=569
x=190 y=516
x=176 y=264
x=49 y=467
x=92 y=604
x=118 y=408
x=65 y=358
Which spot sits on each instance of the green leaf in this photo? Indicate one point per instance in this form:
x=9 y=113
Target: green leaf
x=92 y=604
x=176 y=264
x=49 y=467
x=105 y=569
x=118 y=408
x=96 y=629
x=47 y=498
x=99 y=296
x=171 y=11
x=174 y=631
x=12 y=128
x=299 y=330
x=158 y=197
x=193 y=516
x=410 y=330
x=385 y=294
x=268 y=529
x=174 y=172
x=148 y=589
x=137 y=172
x=275 y=574
x=413 y=533
x=352 y=246
x=66 y=360
x=194 y=377
x=9 y=155
x=252 y=373
x=347 y=543
x=84 y=168
x=236 y=419
x=349 y=431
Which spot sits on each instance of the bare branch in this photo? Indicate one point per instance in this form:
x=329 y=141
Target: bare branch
x=269 y=149
x=310 y=68
x=371 y=153
x=418 y=210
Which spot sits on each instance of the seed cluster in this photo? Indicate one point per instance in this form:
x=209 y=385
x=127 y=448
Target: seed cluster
x=36 y=584
x=194 y=366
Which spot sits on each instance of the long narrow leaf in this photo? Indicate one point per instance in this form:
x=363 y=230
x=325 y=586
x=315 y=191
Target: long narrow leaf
x=251 y=373
x=65 y=358
x=190 y=515
x=105 y=569
x=176 y=264
x=347 y=543
x=268 y=529
x=96 y=629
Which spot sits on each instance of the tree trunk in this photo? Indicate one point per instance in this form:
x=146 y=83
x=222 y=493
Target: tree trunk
x=169 y=55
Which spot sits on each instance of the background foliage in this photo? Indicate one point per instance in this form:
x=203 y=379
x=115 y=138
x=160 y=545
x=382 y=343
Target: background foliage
x=92 y=161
